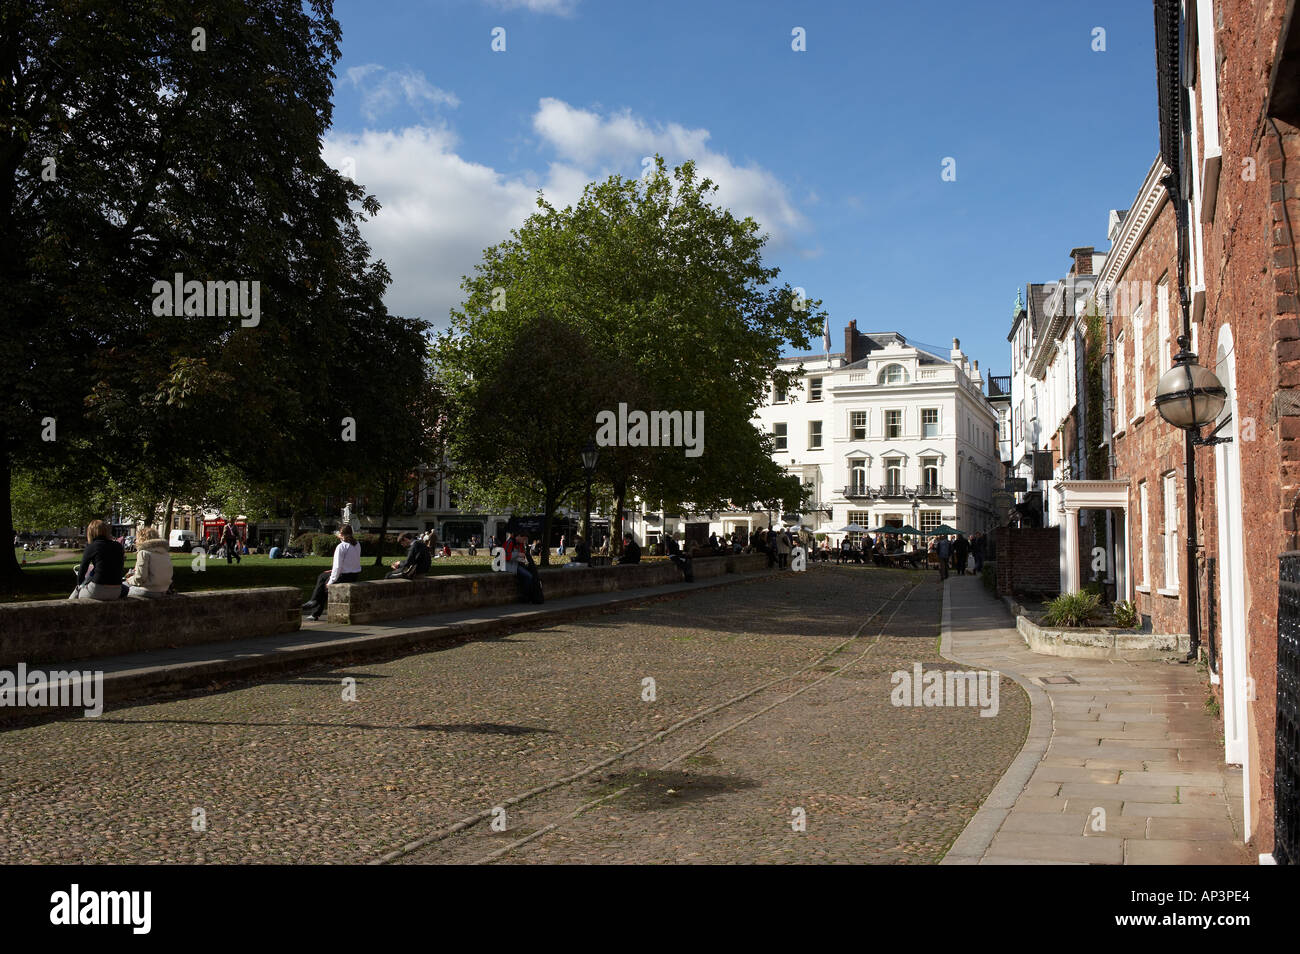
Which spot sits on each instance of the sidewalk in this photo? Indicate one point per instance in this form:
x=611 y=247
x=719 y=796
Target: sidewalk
x=321 y=643
x=1126 y=747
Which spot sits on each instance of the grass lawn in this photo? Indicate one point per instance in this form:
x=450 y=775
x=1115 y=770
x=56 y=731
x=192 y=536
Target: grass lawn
x=52 y=581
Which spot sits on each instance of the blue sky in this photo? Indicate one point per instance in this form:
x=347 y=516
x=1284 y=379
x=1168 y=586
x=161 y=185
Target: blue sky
x=837 y=151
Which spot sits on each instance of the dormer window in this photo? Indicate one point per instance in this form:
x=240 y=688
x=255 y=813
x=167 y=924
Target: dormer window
x=893 y=374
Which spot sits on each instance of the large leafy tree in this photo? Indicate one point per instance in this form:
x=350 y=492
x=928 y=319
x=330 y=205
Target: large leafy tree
x=524 y=409
x=144 y=139
x=672 y=289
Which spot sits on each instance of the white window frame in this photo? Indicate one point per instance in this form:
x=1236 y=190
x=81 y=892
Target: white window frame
x=859 y=465
x=814 y=389
x=936 y=423
x=892 y=464
x=888 y=412
x=781 y=437
x=1169 y=484
x=1144 y=581
x=853 y=435
x=931 y=463
x=1162 y=322
x=1121 y=384
x=816 y=435
x=1139 y=377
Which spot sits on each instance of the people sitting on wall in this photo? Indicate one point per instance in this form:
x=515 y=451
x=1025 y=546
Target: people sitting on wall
x=346 y=569
x=152 y=576
x=680 y=560
x=581 y=553
x=417 y=558
x=631 y=550
x=99 y=575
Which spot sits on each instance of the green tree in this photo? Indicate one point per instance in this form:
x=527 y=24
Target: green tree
x=131 y=151
x=523 y=411
x=672 y=289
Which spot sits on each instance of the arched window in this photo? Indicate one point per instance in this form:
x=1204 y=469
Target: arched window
x=893 y=374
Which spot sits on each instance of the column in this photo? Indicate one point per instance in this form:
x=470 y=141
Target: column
x=1069 y=549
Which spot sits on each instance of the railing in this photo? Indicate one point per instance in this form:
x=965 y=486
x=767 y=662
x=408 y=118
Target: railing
x=1000 y=385
x=892 y=490
x=857 y=490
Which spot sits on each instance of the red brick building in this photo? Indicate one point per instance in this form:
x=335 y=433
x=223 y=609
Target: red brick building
x=1244 y=104
x=1228 y=77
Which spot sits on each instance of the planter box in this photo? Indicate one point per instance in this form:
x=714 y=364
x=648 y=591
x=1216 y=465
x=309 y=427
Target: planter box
x=1101 y=643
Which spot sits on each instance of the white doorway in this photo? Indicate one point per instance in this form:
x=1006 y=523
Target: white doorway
x=1232 y=576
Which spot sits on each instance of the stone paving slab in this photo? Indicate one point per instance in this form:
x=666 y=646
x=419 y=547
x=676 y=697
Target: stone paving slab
x=1122 y=766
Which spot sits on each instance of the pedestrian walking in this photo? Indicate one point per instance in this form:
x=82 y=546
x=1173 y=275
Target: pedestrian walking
x=231 y=543
x=943 y=549
x=961 y=550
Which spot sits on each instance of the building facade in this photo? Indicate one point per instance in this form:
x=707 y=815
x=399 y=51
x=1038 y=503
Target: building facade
x=888 y=434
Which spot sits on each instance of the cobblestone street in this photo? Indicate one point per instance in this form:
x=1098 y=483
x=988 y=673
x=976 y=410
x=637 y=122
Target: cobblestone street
x=761 y=715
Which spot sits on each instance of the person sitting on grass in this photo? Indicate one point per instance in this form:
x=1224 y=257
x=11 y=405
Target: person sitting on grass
x=152 y=576
x=417 y=559
x=99 y=576
x=346 y=569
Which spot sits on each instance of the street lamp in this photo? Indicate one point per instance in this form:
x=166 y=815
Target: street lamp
x=1189 y=397
x=590 y=455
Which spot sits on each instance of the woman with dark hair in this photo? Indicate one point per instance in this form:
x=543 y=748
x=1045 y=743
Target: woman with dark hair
x=99 y=576
x=346 y=569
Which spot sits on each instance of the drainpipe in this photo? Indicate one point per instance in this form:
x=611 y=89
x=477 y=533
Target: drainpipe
x=1189 y=437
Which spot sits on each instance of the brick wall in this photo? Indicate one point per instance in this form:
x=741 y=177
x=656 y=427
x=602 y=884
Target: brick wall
x=1147 y=448
x=1029 y=560
x=1251 y=288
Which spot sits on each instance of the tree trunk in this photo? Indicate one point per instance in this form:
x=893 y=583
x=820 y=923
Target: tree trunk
x=551 y=501
x=616 y=518
x=389 y=499
x=10 y=571
x=167 y=524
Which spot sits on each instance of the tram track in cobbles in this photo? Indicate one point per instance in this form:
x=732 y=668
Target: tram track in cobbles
x=291 y=770
x=434 y=847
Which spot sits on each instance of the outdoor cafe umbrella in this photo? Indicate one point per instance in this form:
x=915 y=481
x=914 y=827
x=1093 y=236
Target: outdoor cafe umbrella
x=941 y=530
x=852 y=528
x=909 y=530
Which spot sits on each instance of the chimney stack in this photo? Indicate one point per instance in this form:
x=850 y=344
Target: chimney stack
x=1082 y=260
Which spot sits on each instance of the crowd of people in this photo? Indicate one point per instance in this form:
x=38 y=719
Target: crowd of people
x=954 y=553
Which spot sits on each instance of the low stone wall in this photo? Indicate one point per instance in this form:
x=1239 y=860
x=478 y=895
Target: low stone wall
x=66 y=630
x=377 y=600
x=1101 y=643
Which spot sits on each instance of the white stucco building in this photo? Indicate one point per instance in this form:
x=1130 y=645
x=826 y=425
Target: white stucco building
x=884 y=433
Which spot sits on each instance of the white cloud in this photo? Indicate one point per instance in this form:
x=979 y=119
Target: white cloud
x=381 y=90
x=561 y=8
x=441 y=211
x=620 y=141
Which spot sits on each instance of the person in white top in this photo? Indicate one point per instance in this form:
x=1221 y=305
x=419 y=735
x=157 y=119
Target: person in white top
x=346 y=569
